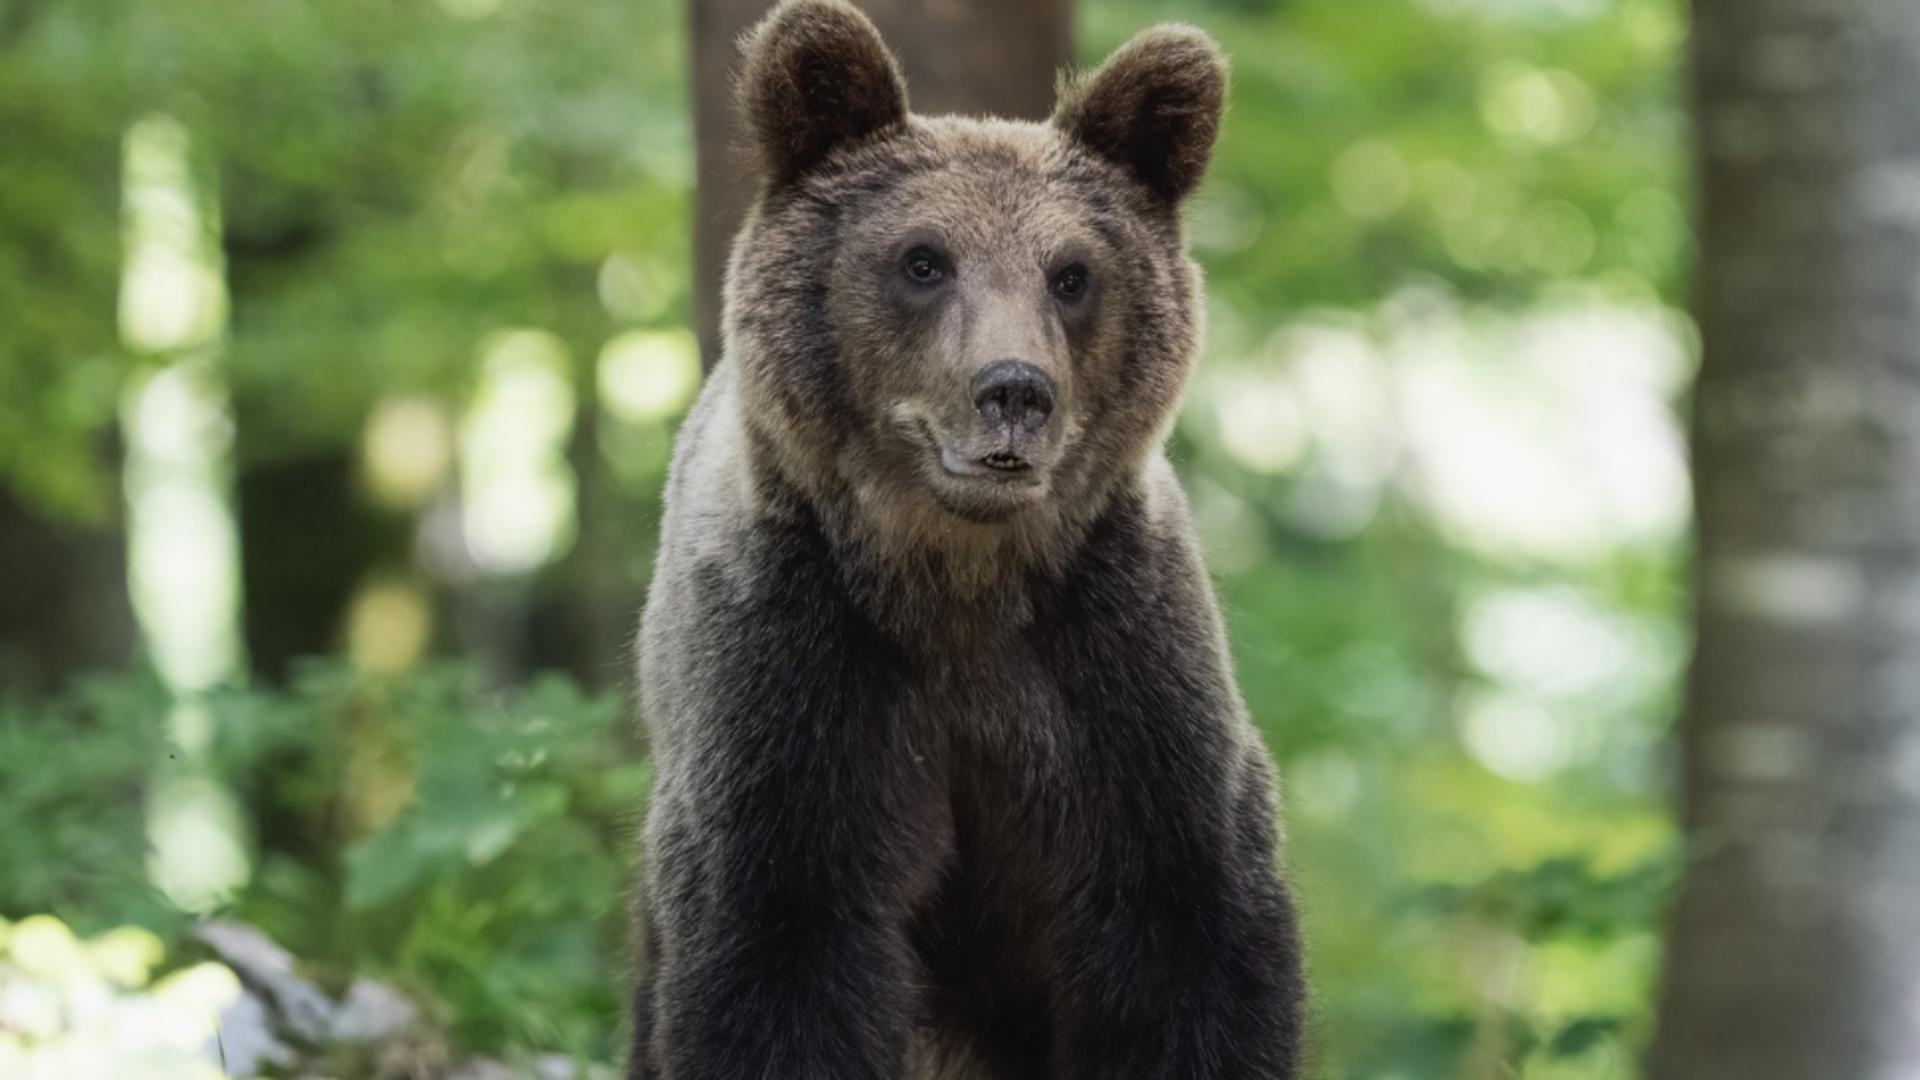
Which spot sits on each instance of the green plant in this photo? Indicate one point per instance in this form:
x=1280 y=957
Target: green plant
x=74 y=774
x=469 y=844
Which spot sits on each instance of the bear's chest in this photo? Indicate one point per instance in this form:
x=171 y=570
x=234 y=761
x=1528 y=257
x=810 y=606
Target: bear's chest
x=995 y=714
x=998 y=750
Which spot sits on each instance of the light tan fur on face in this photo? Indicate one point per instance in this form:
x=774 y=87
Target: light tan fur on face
x=849 y=394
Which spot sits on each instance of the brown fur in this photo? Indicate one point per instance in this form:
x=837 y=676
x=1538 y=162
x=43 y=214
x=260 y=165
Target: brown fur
x=1006 y=191
x=953 y=782
x=1154 y=107
x=816 y=78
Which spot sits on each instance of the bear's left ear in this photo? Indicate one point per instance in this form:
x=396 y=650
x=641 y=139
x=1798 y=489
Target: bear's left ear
x=816 y=76
x=1153 y=108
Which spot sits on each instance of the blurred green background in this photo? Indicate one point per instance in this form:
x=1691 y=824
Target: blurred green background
x=341 y=350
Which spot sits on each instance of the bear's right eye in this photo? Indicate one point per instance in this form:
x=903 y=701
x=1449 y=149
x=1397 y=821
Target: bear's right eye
x=923 y=266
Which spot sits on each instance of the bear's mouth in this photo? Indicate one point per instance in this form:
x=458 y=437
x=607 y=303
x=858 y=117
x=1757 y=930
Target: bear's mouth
x=1002 y=464
x=999 y=460
x=980 y=479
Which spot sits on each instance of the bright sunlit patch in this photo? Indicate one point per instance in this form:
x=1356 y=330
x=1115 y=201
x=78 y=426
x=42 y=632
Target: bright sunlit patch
x=126 y=956
x=189 y=1004
x=185 y=589
x=522 y=518
x=1327 y=506
x=195 y=826
x=71 y=1008
x=190 y=726
x=1585 y=976
x=1548 y=641
x=183 y=551
x=1549 y=436
x=1259 y=420
x=648 y=375
x=517 y=488
x=1545 y=106
x=407 y=450
x=178 y=419
x=172 y=292
x=183 y=544
x=388 y=626
x=1343 y=384
x=1515 y=737
x=43 y=947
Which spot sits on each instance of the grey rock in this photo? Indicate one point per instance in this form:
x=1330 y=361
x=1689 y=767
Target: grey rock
x=244 y=1044
x=303 y=1009
x=371 y=1012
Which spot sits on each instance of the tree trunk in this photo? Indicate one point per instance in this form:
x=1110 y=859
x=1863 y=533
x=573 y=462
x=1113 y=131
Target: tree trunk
x=63 y=599
x=1795 y=944
x=960 y=56
x=307 y=541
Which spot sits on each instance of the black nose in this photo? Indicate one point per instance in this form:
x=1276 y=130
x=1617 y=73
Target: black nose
x=1013 y=393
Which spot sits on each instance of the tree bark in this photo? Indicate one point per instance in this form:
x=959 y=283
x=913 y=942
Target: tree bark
x=1795 y=944
x=64 y=608
x=308 y=540
x=960 y=56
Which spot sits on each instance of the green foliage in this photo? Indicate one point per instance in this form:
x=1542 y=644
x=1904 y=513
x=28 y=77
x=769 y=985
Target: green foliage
x=73 y=781
x=393 y=182
x=59 y=256
x=1470 y=720
x=1564 y=897
x=1500 y=146
x=473 y=846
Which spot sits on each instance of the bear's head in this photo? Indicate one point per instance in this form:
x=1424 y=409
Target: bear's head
x=964 y=324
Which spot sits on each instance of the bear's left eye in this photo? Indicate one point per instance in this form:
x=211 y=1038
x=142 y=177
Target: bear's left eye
x=1071 y=283
x=923 y=266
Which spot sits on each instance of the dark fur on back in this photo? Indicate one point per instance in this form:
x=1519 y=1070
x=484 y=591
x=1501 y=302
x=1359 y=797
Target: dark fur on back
x=953 y=778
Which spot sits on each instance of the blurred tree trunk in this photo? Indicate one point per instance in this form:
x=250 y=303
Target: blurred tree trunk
x=960 y=56
x=308 y=540
x=64 y=607
x=583 y=623
x=1795 y=945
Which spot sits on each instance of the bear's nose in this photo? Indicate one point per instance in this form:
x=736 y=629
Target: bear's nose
x=1013 y=393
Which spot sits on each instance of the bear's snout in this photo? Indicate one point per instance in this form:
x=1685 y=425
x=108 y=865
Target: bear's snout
x=1013 y=394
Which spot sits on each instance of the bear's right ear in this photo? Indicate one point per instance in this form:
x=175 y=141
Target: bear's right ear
x=1153 y=108
x=816 y=76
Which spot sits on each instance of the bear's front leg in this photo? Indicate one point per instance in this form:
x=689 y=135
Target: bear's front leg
x=1179 y=959
x=770 y=964
x=790 y=833
x=1174 y=945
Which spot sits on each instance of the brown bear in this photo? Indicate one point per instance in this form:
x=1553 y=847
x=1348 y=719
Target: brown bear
x=953 y=778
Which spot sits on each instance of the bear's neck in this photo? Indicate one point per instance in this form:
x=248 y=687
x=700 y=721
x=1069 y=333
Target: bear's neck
x=899 y=554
